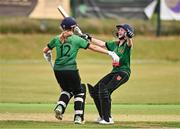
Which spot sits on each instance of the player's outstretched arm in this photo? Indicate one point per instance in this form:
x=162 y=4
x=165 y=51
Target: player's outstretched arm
x=96 y=48
x=94 y=40
x=98 y=42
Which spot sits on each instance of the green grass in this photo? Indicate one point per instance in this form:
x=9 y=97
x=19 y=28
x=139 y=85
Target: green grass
x=54 y=125
x=165 y=110
x=31 y=81
x=140 y=109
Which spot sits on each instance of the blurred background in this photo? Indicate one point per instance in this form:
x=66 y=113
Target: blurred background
x=149 y=17
x=26 y=26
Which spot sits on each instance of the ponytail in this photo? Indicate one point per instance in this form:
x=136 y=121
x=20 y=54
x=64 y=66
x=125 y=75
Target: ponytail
x=64 y=35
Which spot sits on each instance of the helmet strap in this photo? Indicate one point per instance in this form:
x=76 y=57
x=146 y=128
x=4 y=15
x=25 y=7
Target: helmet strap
x=121 y=38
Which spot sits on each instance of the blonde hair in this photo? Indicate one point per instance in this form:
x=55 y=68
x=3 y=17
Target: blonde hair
x=65 y=34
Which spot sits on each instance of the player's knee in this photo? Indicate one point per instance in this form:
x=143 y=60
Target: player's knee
x=83 y=88
x=91 y=90
x=80 y=94
x=103 y=92
x=104 y=95
x=80 y=89
x=102 y=87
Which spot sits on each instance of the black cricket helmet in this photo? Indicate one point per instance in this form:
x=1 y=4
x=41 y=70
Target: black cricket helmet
x=68 y=23
x=126 y=27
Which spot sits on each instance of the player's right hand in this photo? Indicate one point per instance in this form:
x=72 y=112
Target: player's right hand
x=48 y=56
x=114 y=56
x=86 y=36
x=129 y=34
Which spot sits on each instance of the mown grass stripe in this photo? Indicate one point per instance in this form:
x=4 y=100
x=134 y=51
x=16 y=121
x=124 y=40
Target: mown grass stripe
x=116 y=108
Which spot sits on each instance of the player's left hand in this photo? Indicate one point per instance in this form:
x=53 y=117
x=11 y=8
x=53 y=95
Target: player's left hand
x=114 y=56
x=48 y=56
x=77 y=31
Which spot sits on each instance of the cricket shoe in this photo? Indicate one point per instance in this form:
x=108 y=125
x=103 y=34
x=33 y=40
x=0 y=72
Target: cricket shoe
x=58 y=112
x=100 y=119
x=78 y=120
x=103 y=122
x=111 y=120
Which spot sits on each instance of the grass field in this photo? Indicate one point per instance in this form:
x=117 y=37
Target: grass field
x=126 y=116
x=29 y=91
x=57 y=125
x=34 y=82
x=149 y=99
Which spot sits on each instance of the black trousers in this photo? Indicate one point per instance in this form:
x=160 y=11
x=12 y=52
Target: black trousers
x=103 y=90
x=69 y=80
x=112 y=81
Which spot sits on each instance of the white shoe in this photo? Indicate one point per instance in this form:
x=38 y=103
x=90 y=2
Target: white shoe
x=100 y=119
x=78 y=120
x=58 y=112
x=111 y=120
x=103 y=122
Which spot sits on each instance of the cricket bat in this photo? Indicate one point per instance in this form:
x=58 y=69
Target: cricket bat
x=64 y=14
x=62 y=11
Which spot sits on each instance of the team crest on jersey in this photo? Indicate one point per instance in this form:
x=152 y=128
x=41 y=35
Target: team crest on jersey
x=121 y=51
x=118 y=78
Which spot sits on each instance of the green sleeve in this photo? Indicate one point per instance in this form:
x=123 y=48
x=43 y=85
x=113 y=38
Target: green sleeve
x=110 y=45
x=83 y=43
x=51 y=44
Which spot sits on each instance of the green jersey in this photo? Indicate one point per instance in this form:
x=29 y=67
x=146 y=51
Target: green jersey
x=66 y=52
x=124 y=52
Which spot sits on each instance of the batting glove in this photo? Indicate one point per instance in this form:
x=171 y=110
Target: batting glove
x=114 y=56
x=86 y=36
x=77 y=30
x=129 y=34
x=48 y=56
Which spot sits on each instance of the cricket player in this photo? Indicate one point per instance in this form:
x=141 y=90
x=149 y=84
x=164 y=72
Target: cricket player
x=101 y=92
x=67 y=45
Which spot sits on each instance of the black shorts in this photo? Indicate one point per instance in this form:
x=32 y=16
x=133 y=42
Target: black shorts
x=113 y=80
x=69 y=80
